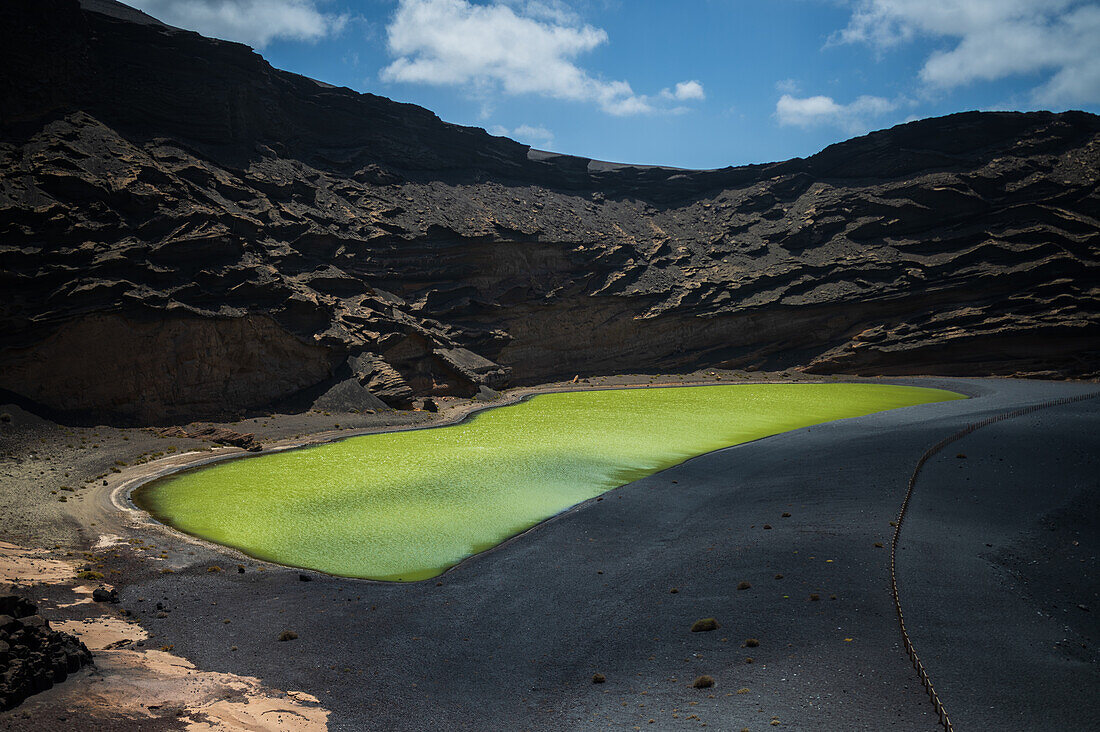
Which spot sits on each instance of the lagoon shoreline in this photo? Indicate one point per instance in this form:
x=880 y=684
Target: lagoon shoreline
x=654 y=532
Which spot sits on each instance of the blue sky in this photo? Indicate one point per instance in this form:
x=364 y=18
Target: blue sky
x=693 y=83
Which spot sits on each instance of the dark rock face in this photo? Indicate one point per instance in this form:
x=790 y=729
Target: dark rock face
x=219 y=435
x=32 y=657
x=242 y=235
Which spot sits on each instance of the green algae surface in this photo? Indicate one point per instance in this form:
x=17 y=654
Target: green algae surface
x=408 y=505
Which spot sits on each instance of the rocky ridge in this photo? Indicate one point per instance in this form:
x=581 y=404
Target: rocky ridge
x=187 y=232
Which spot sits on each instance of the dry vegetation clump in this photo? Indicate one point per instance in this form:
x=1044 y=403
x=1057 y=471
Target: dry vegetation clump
x=743 y=585
x=752 y=643
x=287 y=635
x=704 y=624
x=598 y=678
x=703 y=682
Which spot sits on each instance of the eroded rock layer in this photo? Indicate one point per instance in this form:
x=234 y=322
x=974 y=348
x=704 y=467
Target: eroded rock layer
x=186 y=232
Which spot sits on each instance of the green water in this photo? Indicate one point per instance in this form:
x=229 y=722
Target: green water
x=408 y=505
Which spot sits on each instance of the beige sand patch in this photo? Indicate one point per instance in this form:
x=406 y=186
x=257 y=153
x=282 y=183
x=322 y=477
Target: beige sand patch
x=28 y=566
x=102 y=632
x=148 y=684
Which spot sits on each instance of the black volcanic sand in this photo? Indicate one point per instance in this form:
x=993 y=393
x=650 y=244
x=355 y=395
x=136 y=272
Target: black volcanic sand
x=511 y=639
x=998 y=573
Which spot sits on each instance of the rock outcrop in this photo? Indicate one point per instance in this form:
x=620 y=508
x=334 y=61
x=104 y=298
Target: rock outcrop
x=32 y=657
x=212 y=433
x=187 y=232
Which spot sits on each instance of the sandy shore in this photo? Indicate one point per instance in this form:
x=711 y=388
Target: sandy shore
x=510 y=639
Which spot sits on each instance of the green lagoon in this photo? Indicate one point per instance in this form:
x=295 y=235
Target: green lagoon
x=408 y=505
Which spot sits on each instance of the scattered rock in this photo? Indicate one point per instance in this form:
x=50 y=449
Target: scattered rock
x=303 y=577
x=743 y=585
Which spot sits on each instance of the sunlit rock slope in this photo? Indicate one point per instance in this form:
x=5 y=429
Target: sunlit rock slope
x=187 y=232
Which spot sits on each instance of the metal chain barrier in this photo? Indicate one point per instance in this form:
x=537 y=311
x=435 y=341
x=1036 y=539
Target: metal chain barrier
x=941 y=712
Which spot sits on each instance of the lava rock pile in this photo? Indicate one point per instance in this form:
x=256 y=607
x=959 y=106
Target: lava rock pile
x=32 y=657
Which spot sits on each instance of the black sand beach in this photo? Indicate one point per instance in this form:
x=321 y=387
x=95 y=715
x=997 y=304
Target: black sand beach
x=1000 y=602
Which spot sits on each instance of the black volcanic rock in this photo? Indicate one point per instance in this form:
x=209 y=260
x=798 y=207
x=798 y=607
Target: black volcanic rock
x=32 y=657
x=239 y=236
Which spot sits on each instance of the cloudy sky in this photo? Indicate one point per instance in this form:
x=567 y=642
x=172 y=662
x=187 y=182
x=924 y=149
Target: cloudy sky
x=692 y=83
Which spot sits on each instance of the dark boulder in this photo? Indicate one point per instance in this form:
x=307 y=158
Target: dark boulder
x=102 y=594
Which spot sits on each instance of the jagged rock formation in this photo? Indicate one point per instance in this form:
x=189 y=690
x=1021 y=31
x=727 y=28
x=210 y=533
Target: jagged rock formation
x=32 y=657
x=187 y=232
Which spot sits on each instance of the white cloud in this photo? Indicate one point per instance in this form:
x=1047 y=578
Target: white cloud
x=853 y=118
x=553 y=10
x=993 y=39
x=255 y=22
x=535 y=136
x=687 y=90
x=514 y=47
x=788 y=86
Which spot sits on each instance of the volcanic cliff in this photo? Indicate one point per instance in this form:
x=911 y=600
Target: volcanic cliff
x=187 y=232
